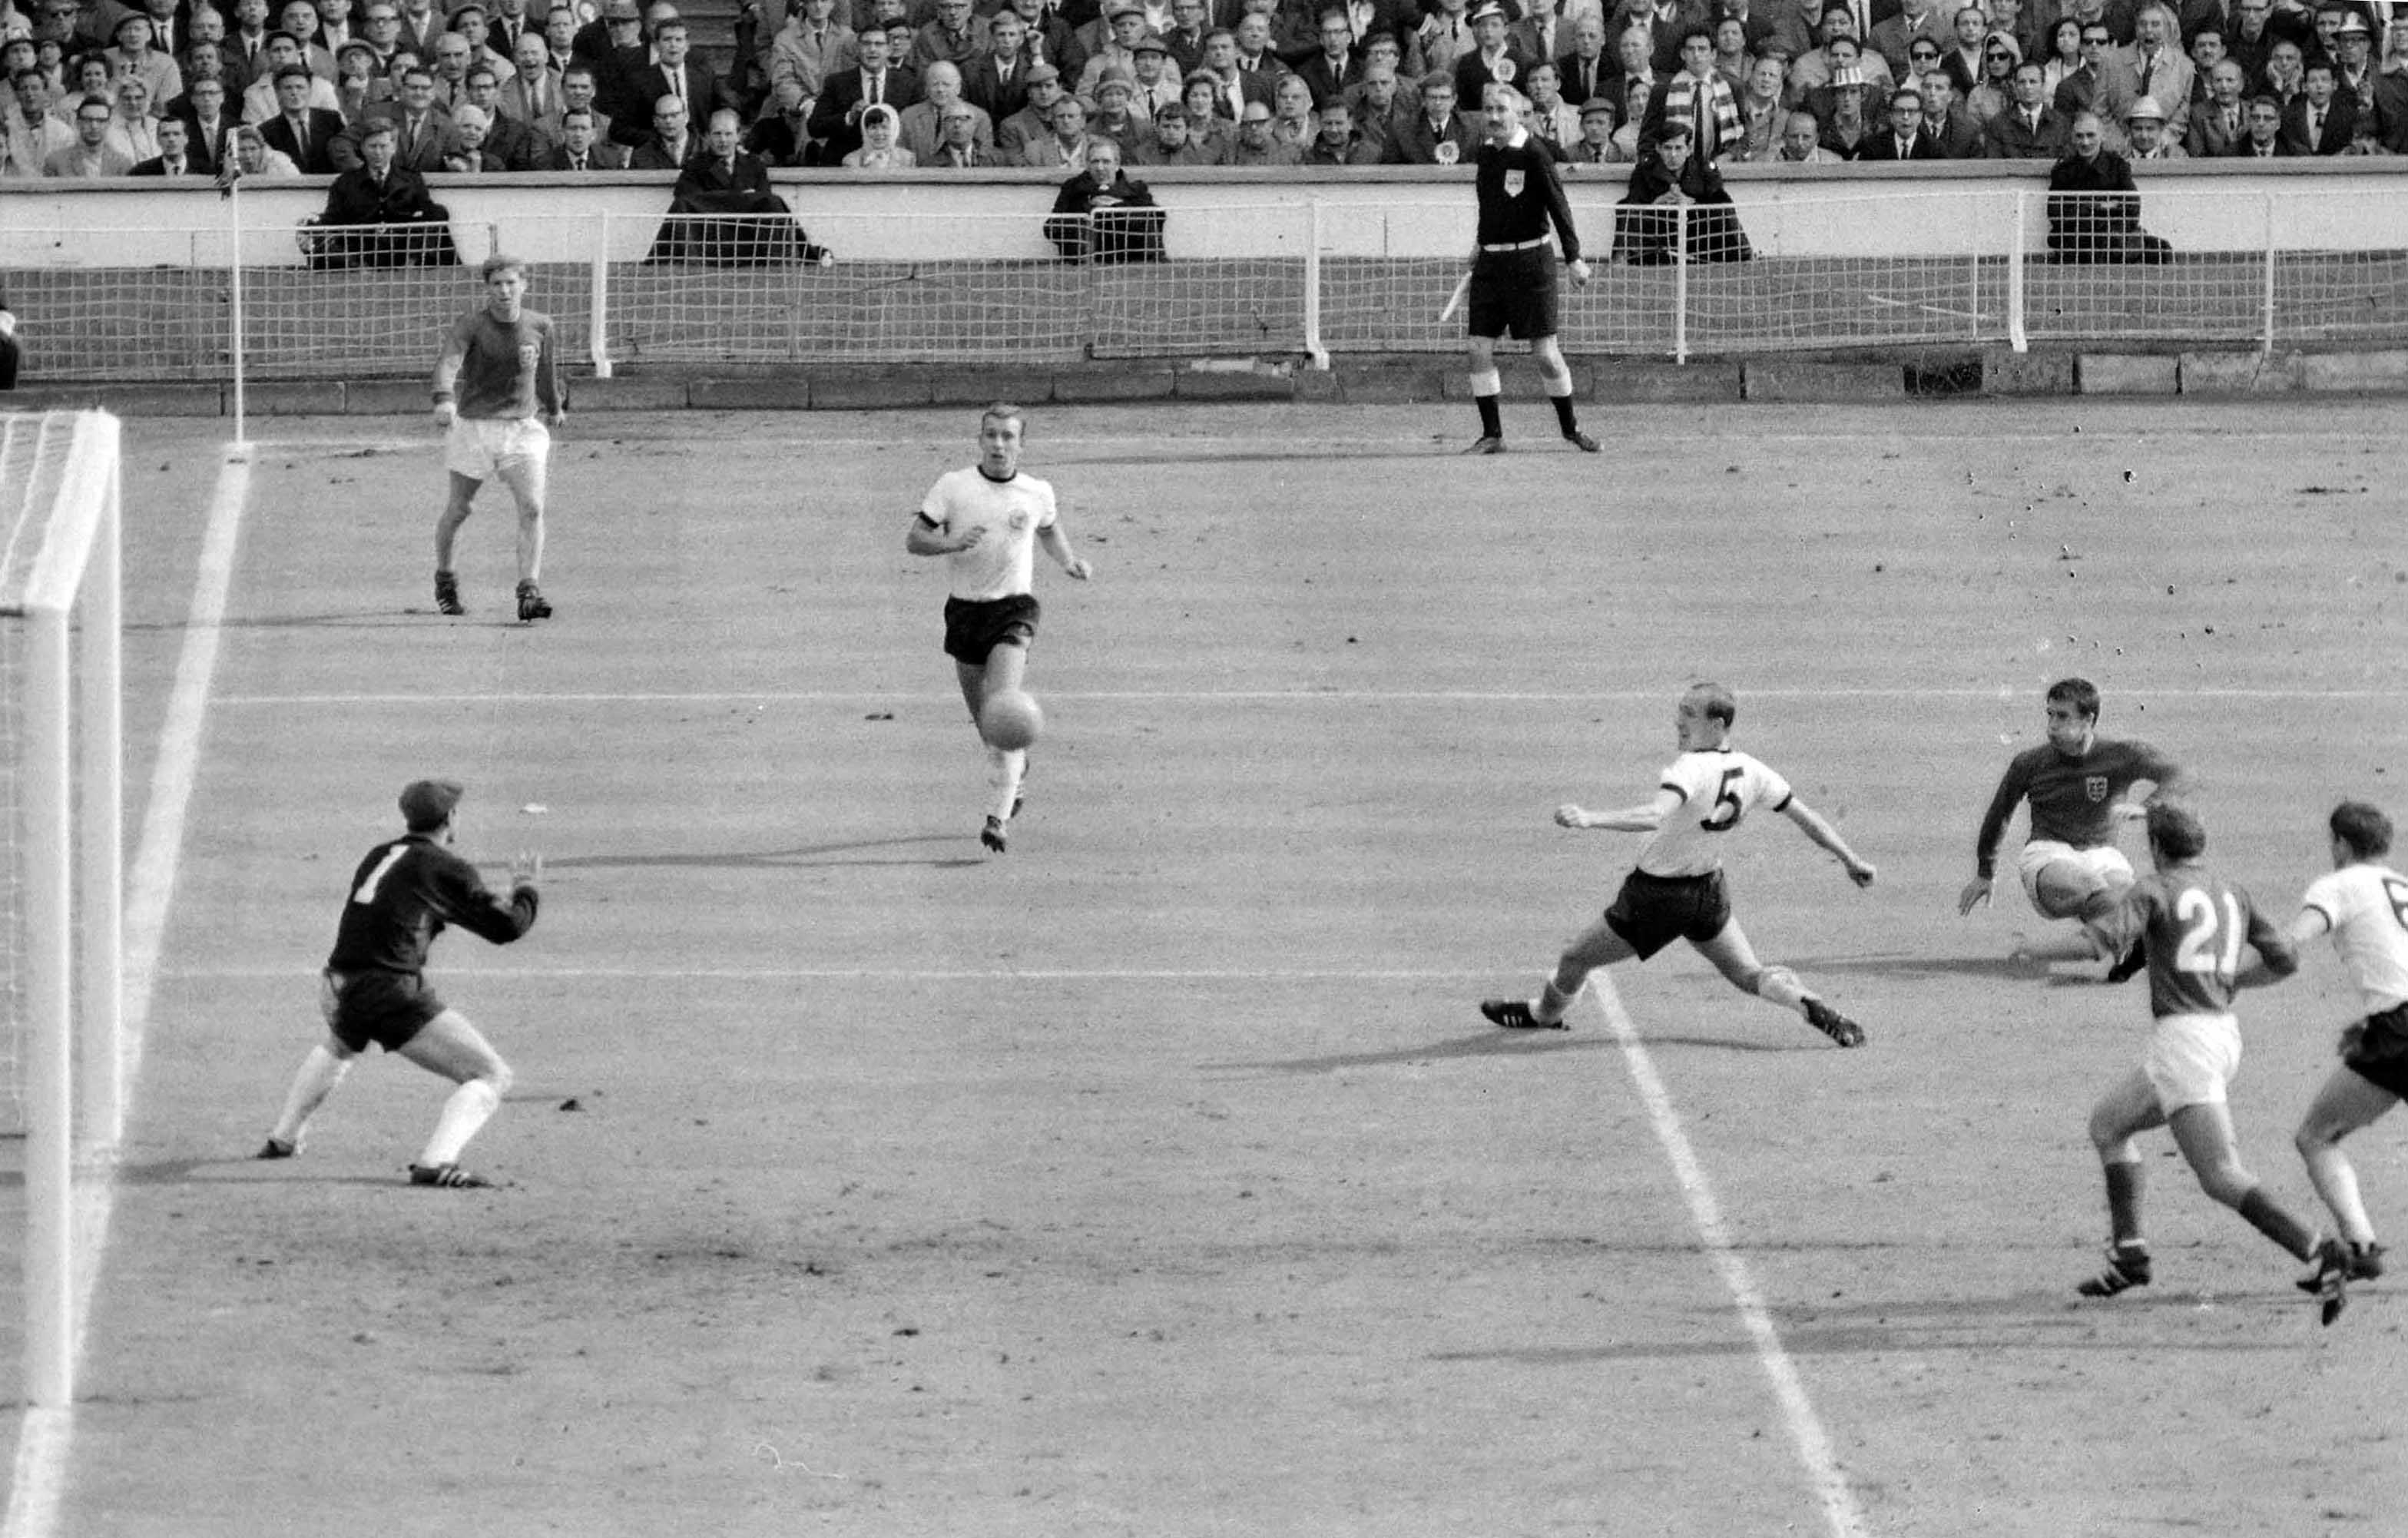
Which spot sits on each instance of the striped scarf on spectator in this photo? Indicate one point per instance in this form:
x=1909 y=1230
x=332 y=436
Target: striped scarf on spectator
x=1691 y=100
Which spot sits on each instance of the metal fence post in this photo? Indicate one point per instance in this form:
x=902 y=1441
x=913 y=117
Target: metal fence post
x=1312 y=345
x=234 y=299
x=597 y=316
x=1681 y=284
x=2266 y=341
x=2015 y=334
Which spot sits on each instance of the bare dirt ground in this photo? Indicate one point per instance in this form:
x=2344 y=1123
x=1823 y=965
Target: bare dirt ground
x=1159 y=1178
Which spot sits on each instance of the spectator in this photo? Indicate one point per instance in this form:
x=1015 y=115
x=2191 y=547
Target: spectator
x=133 y=132
x=1444 y=37
x=1995 y=92
x=1595 y=146
x=1336 y=63
x=814 y=44
x=203 y=112
x=93 y=82
x=134 y=56
x=2029 y=129
x=1816 y=68
x=2206 y=52
x=532 y=96
x=1374 y=100
x=254 y=160
x=1489 y=59
x=723 y=212
x=997 y=82
x=512 y=144
x=1233 y=87
x=1065 y=147
x=2262 y=138
x=1699 y=98
x=380 y=29
x=782 y=136
x=1951 y=124
x=1554 y=121
x=1760 y=114
x=1049 y=40
x=1128 y=28
x=1034 y=120
x=1156 y=86
x=1961 y=57
x=469 y=22
x=1541 y=34
x=1252 y=34
x=175 y=158
x=1905 y=138
x=1258 y=144
x=1635 y=71
x=1665 y=21
x=581 y=92
x=1731 y=57
x=421 y=125
x=835 y=119
x=1823 y=100
x=681 y=75
x=1675 y=206
x=616 y=57
x=2096 y=85
x=2353 y=62
x=302 y=133
x=1115 y=116
x=2094 y=209
x=957 y=147
x=1101 y=216
x=264 y=99
x=671 y=144
x=1175 y=143
x=581 y=146
x=1845 y=128
x=2220 y=125
x=922 y=121
x=1292 y=116
x=2154 y=66
x=2285 y=73
x=379 y=214
x=2391 y=89
x=89 y=154
x=1893 y=39
x=2318 y=121
x=1438 y=135
x=299 y=20
x=1337 y=143
x=470 y=152
x=1586 y=70
x=246 y=42
x=1802 y=143
x=881 y=148
x=2250 y=39
x=168 y=32
x=2146 y=130
x=358 y=86
x=2065 y=56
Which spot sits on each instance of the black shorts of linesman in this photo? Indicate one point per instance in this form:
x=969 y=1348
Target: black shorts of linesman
x=1512 y=287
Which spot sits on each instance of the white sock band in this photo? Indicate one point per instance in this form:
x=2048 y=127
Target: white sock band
x=1487 y=381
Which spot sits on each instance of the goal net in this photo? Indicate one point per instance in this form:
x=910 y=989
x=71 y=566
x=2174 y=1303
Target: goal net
x=61 y=843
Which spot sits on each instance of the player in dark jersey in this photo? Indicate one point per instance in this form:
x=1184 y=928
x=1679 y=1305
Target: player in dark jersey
x=375 y=987
x=2080 y=785
x=497 y=393
x=1513 y=282
x=2194 y=926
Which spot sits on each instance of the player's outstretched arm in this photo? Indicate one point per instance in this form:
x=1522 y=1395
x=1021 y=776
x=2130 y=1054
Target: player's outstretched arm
x=1631 y=819
x=1057 y=544
x=1976 y=893
x=924 y=537
x=2012 y=788
x=1824 y=836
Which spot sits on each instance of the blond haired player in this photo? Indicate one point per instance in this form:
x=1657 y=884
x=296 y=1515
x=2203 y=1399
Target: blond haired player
x=987 y=520
x=498 y=371
x=2364 y=904
x=1676 y=891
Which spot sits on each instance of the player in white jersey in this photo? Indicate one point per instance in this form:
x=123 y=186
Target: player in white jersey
x=987 y=520
x=2364 y=904
x=1676 y=891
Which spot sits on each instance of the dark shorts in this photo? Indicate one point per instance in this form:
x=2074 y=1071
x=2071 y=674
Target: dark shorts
x=385 y=1008
x=975 y=626
x=1652 y=911
x=2376 y=1050
x=1514 y=294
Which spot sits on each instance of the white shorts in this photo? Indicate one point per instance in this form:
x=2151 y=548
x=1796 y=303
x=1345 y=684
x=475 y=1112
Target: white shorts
x=2106 y=866
x=481 y=447
x=2191 y=1058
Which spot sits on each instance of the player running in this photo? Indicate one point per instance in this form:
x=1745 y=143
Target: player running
x=2364 y=904
x=375 y=984
x=2079 y=785
x=2193 y=925
x=988 y=520
x=1676 y=890
x=1512 y=281
x=502 y=358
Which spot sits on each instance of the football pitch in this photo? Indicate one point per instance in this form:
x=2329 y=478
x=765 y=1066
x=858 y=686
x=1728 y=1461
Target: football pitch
x=1160 y=1178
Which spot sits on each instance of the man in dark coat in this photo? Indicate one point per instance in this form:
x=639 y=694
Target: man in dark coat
x=723 y=212
x=2094 y=209
x=1100 y=215
x=1648 y=223
x=370 y=209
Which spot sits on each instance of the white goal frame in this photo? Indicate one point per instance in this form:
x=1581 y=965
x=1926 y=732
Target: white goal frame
x=61 y=580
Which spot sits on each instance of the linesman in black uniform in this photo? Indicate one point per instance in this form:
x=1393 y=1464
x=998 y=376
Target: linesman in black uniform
x=375 y=984
x=1512 y=286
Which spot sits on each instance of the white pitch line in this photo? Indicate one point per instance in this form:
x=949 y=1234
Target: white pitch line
x=1841 y=1517
x=886 y=975
x=38 y=1485
x=1234 y=697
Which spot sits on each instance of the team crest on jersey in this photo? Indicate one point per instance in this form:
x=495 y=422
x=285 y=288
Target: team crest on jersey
x=530 y=354
x=2095 y=787
x=1514 y=181
x=1019 y=520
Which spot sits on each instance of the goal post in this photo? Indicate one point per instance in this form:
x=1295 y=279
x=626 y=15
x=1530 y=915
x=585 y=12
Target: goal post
x=60 y=588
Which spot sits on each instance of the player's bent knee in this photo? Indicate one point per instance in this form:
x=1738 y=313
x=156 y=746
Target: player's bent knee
x=2062 y=890
x=500 y=1076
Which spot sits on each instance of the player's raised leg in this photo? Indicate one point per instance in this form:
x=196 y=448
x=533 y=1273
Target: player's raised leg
x=449 y=1046
x=1735 y=958
x=460 y=503
x=1597 y=947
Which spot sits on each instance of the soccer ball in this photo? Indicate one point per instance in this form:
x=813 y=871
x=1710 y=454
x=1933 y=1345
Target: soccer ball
x=1011 y=721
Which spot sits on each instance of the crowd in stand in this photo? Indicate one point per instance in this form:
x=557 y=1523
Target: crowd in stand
x=102 y=88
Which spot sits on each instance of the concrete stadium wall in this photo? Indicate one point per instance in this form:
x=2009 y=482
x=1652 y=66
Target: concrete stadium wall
x=1795 y=212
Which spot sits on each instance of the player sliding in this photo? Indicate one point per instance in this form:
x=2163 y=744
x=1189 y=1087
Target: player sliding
x=501 y=358
x=2193 y=927
x=987 y=520
x=375 y=984
x=1513 y=280
x=2079 y=785
x=2364 y=904
x=1676 y=890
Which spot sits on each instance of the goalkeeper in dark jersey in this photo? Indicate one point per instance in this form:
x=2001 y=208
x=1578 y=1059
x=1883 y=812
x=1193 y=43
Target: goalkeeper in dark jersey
x=375 y=987
x=1512 y=289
